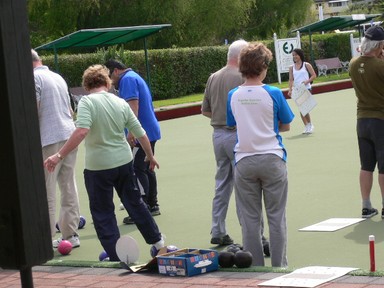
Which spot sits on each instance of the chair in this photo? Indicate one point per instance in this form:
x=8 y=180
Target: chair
x=322 y=69
x=345 y=65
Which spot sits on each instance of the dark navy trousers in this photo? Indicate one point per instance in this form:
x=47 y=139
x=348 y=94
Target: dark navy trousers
x=100 y=185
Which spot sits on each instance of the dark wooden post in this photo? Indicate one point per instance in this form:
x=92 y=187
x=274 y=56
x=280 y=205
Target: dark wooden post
x=25 y=238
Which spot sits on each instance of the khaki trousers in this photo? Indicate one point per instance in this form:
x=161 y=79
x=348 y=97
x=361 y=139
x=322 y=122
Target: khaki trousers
x=64 y=177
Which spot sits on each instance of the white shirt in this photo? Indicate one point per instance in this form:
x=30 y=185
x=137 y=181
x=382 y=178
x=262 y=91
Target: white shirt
x=301 y=75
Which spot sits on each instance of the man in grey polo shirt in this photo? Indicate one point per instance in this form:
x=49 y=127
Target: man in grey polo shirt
x=56 y=125
x=214 y=106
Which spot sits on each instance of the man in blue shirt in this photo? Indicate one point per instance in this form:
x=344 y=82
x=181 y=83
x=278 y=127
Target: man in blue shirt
x=133 y=89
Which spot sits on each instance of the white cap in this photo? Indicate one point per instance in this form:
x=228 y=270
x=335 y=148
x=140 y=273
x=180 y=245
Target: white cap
x=371 y=237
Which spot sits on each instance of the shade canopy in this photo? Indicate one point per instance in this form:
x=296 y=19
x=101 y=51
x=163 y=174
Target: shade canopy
x=336 y=22
x=102 y=37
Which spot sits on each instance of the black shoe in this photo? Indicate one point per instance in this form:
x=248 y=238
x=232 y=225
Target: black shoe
x=128 y=220
x=369 y=212
x=225 y=240
x=155 y=210
x=266 y=251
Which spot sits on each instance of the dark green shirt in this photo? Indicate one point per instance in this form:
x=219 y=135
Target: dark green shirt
x=367 y=75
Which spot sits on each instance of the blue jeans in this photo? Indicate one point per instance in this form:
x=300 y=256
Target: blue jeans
x=99 y=185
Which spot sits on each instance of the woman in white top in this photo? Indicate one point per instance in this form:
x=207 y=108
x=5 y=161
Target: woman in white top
x=302 y=72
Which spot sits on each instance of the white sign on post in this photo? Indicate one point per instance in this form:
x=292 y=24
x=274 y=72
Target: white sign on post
x=283 y=53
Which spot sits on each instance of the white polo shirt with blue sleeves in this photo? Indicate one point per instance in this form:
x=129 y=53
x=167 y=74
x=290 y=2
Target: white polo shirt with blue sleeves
x=257 y=112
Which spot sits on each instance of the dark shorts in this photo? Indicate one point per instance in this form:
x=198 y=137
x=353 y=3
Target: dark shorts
x=370 y=136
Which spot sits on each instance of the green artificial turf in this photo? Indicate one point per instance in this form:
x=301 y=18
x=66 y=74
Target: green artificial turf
x=116 y=265
x=323 y=171
x=84 y=263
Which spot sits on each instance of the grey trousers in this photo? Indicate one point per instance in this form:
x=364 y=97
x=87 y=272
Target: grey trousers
x=223 y=144
x=261 y=178
x=64 y=177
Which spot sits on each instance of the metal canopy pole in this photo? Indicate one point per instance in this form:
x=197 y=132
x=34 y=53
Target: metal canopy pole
x=146 y=63
x=310 y=47
x=56 y=62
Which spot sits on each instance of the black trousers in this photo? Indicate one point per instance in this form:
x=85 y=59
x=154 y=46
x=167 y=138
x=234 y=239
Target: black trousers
x=147 y=178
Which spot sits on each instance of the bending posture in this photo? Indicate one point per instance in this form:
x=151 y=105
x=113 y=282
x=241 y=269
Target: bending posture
x=260 y=112
x=301 y=72
x=133 y=89
x=101 y=119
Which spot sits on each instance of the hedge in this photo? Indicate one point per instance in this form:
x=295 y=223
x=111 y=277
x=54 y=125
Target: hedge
x=177 y=72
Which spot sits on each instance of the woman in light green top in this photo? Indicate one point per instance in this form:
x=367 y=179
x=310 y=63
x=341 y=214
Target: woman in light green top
x=101 y=119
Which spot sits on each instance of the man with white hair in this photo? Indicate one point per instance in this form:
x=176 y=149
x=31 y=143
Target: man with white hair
x=367 y=75
x=214 y=106
x=56 y=126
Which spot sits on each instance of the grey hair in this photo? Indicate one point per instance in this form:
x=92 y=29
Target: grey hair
x=368 y=45
x=35 y=56
x=235 y=48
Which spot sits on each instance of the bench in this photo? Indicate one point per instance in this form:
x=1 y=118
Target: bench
x=329 y=64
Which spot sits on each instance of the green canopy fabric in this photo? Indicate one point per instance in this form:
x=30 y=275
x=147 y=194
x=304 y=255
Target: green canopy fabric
x=102 y=37
x=333 y=23
x=336 y=22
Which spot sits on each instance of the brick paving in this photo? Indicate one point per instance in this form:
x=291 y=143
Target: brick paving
x=58 y=276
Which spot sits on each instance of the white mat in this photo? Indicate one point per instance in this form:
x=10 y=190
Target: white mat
x=332 y=224
x=308 y=277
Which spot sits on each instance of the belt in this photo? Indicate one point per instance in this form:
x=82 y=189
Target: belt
x=230 y=128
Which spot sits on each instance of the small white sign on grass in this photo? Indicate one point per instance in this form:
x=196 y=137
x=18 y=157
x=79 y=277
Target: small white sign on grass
x=308 y=277
x=332 y=224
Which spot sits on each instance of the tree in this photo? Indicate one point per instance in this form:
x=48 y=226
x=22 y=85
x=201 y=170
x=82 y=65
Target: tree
x=370 y=8
x=211 y=22
x=276 y=16
x=194 y=23
x=51 y=19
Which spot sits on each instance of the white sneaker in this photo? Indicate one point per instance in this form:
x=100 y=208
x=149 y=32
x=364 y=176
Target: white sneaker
x=161 y=243
x=75 y=241
x=310 y=129
x=157 y=246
